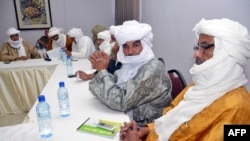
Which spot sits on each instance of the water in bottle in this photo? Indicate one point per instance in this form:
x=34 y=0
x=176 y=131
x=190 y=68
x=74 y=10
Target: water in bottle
x=63 y=56
x=69 y=66
x=63 y=100
x=44 y=52
x=43 y=117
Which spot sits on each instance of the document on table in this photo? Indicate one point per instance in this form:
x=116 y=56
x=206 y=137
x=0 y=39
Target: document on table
x=54 y=54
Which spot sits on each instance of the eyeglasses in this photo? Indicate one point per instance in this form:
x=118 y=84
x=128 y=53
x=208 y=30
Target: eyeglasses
x=203 y=47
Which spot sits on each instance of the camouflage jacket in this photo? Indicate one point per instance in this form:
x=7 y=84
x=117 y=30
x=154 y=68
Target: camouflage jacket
x=147 y=93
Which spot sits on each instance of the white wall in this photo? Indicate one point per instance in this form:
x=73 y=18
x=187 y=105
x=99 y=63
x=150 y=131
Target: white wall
x=172 y=22
x=65 y=13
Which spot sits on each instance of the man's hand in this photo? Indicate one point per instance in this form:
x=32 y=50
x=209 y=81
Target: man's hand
x=22 y=58
x=132 y=132
x=84 y=76
x=67 y=52
x=99 y=60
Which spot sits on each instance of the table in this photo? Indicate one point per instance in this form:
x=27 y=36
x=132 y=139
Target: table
x=82 y=105
x=21 y=82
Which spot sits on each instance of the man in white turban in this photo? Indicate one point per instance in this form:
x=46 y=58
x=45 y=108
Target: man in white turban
x=103 y=41
x=141 y=87
x=16 y=48
x=58 y=39
x=95 y=30
x=82 y=45
x=217 y=96
x=113 y=63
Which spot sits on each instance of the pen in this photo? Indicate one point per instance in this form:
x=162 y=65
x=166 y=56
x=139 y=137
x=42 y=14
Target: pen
x=83 y=123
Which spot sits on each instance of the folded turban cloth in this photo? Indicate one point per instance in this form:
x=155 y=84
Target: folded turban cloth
x=113 y=29
x=76 y=33
x=132 y=30
x=105 y=35
x=12 y=31
x=233 y=35
x=53 y=31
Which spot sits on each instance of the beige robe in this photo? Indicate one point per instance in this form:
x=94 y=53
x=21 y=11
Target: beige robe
x=8 y=53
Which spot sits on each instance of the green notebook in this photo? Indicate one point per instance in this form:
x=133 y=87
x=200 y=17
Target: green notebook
x=100 y=127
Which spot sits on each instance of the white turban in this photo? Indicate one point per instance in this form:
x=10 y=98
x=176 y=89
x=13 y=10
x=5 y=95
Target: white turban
x=54 y=30
x=12 y=31
x=113 y=29
x=105 y=35
x=76 y=33
x=132 y=31
x=234 y=37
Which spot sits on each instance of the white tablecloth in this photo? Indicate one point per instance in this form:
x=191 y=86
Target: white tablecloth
x=21 y=82
x=82 y=105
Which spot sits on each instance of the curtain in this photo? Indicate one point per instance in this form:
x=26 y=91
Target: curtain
x=127 y=10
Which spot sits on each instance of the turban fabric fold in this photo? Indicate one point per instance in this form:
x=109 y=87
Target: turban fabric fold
x=105 y=35
x=12 y=31
x=133 y=30
x=54 y=31
x=76 y=33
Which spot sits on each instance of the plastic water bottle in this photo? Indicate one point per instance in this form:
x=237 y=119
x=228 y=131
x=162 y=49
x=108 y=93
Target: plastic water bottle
x=63 y=100
x=43 y=117
x=44 y=52
x=63 y=56
x=38 y=46
x=69 y=66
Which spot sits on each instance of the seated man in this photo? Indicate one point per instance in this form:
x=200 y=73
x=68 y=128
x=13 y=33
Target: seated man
x=16 y=48
x=142 y=87
x=82 y=47
x=218 y=95
x=42 y=42
x=95 y=30
x=103 y=41
x=58 y=39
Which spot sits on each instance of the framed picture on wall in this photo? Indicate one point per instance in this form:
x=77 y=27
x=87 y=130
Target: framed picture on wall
x=33 y=14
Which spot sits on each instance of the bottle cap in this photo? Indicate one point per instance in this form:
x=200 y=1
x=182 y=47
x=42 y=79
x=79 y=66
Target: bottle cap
x=68 y=56
x=61 y=84
x=41 y=98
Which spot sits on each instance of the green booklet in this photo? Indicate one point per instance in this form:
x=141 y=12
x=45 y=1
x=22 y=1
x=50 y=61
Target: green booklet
x=100 y=127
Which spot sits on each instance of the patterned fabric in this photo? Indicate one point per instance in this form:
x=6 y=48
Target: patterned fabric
x=146 y=94
x=44 y=39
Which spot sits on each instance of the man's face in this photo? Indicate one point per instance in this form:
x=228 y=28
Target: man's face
x=99 y=41
x=14 y=37
x=46 y=31
x=55 y=37
x=204 y=49
x=73 y=39
x=132 y=48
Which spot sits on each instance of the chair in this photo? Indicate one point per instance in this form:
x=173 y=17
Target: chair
x=178 y=82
